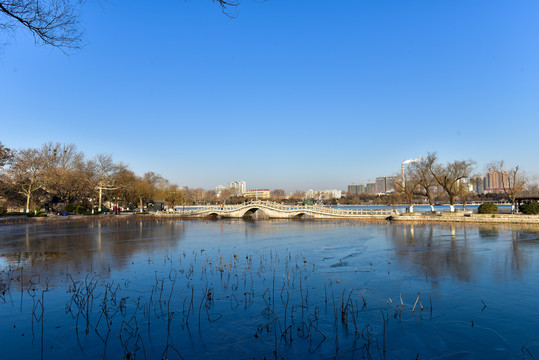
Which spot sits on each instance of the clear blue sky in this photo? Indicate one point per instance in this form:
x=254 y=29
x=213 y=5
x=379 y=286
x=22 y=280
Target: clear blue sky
x=290 y=94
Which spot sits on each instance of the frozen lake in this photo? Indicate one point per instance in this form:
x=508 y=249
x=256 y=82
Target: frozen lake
x=268 y=289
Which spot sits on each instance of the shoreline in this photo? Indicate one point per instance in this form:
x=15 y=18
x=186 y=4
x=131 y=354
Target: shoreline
x=436 y=218
x=468 y=218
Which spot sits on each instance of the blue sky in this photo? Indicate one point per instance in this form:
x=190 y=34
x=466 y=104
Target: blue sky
x=290 y=94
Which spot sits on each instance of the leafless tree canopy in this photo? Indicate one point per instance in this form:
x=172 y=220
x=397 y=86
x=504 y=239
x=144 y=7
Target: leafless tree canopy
x=513 y=181
x=5 y=155
x=51 y=22
x=426 y=181
x=450 y=175
x=56 y=22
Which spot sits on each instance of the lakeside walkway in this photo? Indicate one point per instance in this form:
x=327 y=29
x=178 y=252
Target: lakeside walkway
x=410 y=218
x=465 y=217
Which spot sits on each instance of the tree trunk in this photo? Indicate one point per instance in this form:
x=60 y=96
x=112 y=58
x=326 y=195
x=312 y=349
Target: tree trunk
x=100 y=195
x=28 y=195
x=28 y=202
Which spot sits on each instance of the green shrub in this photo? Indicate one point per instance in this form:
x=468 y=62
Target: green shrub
x=69 y=208
x=531 y=208
x=487 y=208
x=80 y=209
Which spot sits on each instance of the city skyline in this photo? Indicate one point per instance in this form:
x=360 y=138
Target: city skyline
x=286 y=95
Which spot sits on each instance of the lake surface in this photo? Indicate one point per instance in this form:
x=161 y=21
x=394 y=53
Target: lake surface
x=268 y=289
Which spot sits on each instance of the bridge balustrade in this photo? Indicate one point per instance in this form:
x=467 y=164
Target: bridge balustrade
x=281 y=207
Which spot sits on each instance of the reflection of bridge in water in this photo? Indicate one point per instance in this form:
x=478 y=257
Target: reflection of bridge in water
x=284 y=211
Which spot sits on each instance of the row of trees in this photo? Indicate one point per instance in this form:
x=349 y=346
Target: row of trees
x=57 y=174
x=426 y=178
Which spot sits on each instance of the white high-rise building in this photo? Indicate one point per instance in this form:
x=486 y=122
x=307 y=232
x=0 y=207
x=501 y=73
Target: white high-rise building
x=323 y=194
x=238 y=187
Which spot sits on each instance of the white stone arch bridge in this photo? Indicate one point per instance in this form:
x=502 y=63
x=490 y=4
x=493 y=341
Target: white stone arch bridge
x=284 y=211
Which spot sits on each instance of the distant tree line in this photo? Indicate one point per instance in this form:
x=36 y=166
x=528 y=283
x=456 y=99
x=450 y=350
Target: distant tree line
x=431 y=181
x=427 y=181
x=55 y=175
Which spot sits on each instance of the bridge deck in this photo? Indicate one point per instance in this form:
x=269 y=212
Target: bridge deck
x=276 y=210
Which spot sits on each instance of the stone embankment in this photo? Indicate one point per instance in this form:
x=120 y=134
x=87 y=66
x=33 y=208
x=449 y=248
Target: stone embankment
x=437 y=217
x=466 y=217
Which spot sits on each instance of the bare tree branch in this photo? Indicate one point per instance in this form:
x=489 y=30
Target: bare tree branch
x=450 y=176
x=56 y=22
x=228 y=7
x=51 y=22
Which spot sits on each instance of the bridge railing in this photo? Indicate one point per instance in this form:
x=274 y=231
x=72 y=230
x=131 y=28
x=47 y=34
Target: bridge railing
x=286 y=208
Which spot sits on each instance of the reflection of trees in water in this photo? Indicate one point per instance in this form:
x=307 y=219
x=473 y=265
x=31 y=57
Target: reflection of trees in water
x=450 y=251
x=273 y=226
x=438 y=253
x=488 y=232
x=521 y=249
x=87 y=247
x=517 y=259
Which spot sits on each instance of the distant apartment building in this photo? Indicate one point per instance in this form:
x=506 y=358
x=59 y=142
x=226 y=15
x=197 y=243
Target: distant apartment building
x=323 y=194
x=496 y=181
x=478 y=184
x=385 y=184
x=380 y=185
x=356 y=189
x=218 y=190
x=467 y=184
x=258 y=193
x=370 y=187
x=390 y=184
x=238 y=187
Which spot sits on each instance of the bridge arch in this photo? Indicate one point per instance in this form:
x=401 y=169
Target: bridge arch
x=301 y=215
x=249 y=213
x=213 y=215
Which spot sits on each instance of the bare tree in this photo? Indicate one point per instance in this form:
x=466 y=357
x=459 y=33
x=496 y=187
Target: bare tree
x=66 y=174
x=450 y=176
x=209 y=196
x=173 y=195
x=426 y=181
x=27 y=172
x=278 y=193
x=126 y=183
x=51 y=22
x=147 y=187
x=5 y=155
x=298 y=196
x=513 y=181
x=464 y=193
x=56 y=22
x=408 y=188
x=104 y=173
